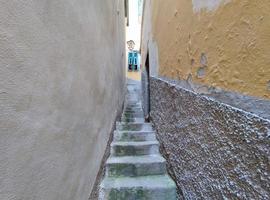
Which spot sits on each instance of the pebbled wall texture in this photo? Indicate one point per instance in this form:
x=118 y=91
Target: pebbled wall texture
x=215 y=151
x=62 y=83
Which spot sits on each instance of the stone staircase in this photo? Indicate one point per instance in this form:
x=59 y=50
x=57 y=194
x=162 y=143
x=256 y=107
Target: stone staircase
x=135 y=169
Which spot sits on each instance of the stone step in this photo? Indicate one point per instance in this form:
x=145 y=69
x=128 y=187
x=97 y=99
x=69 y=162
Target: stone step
x=132 y=115
x=133 y=104
x=132 y=166
x=133 y=126
x=133 y=108
x=133 y=111
x=128 y=106
x=138 y=136
x=121 y=148
x=132 y=93
x=138 y=109
x=138 y=188
x=132 y=101
x=132 y=96
x=135 y=169
x=135 y=119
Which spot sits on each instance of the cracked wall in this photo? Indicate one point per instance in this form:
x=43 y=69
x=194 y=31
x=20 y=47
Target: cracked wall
x=223 y=44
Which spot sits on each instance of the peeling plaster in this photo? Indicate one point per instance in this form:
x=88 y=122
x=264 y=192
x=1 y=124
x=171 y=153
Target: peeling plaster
x=209 y=5
x=235 y=37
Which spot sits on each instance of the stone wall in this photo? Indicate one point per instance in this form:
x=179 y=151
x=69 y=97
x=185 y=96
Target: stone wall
x=62 y=83
x=215 y=151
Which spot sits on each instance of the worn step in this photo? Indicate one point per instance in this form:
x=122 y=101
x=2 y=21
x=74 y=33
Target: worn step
x=130 y=101
x=135 y=166
x=138 y=109
x=134 y=109
x=138 y=188
x=132 y=115
x=134 y=136
x=133 y=126
x=132 y=95
x=134 y=119
x=134 y=148
x=133 y=103
x=133 y=106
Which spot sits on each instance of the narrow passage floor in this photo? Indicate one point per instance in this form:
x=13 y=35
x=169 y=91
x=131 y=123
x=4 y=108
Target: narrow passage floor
x=135 y=169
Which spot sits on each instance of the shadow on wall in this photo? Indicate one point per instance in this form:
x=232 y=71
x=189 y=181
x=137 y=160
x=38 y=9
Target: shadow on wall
x=146 y=88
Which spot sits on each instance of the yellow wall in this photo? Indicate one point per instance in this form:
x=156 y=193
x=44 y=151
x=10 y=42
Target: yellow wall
x=234 y=37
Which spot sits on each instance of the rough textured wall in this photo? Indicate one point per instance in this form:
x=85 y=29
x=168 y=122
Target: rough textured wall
x=220 y=43
x=216 y=151
x=62 y=79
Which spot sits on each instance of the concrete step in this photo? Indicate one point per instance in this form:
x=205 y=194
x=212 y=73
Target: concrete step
x=134 y=148
x=130 y=94
x=131 y=166
x=135 y=169
x=135 y=110
x=133 y=106
x=133 y=126
x=133 y=96
x=127 y=105
x=135 y=119
x=138 y=136
x=138 y=188
x=132 y=115
x=133 y=101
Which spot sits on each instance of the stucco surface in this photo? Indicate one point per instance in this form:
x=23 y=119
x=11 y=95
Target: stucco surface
x=218 y=43
x=215 y=151
x=62 y=78
x=148 y=44
x=209 y=5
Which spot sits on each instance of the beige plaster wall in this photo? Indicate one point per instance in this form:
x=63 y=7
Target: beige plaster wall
x=219 y=43
x=62 y=83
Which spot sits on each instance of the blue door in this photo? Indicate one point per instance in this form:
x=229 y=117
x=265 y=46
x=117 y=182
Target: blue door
x=133 y=61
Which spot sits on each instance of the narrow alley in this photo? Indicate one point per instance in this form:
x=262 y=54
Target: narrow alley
x=135 y=169
x=135 y=100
